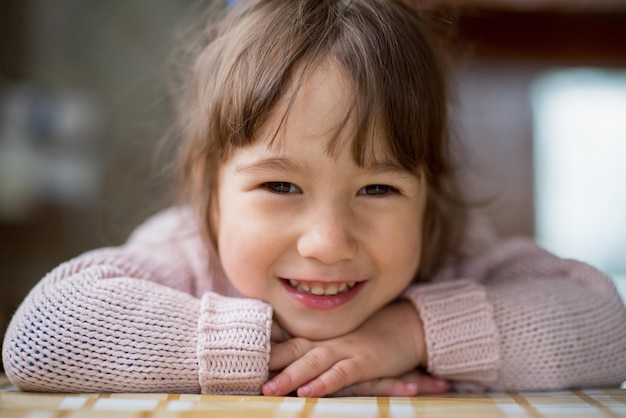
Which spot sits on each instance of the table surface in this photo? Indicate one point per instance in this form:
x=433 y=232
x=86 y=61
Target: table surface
x=574 y=403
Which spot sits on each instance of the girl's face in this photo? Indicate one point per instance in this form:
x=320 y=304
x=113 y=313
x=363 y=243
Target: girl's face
x=324 y=241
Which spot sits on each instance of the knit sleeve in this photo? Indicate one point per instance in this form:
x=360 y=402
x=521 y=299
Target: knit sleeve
x=234 y=345
x=519 y=318
x=105 y=322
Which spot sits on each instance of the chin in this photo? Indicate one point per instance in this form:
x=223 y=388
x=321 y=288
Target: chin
x=318 y=331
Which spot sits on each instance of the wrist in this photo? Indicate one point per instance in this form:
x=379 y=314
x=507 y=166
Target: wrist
x=407 y=322
x=415 y=330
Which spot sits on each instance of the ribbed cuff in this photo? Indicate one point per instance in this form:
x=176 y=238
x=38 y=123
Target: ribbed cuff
x=233 y=345
x=462 y=340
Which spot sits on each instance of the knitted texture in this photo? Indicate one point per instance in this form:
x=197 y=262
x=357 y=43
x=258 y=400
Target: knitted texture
x=157 y=314
x=539 y=322
x=130 y=319
x=98 y=330
x=461 y=336
x=234 y=344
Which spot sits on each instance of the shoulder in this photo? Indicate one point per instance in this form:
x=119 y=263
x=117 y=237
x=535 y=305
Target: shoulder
x=162 y=249
x=173 y=237
x=165 y=227
x=522 y=257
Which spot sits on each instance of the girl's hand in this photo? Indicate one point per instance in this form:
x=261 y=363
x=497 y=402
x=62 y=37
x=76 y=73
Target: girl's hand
x=409 y=384
x=389 y=343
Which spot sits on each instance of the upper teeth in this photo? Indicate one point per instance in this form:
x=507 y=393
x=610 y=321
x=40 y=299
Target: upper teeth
x=318 y=288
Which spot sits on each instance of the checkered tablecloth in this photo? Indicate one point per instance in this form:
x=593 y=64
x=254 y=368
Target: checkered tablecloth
x=577 y=403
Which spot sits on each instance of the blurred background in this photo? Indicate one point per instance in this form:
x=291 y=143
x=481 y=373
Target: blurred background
x=539 y=89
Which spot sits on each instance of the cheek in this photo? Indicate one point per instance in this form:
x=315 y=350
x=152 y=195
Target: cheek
x=403 y=263
x=399 y=249
x=249 y=247
x=242 y=258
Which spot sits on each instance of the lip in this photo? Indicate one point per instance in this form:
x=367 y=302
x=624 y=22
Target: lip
x=322 y=302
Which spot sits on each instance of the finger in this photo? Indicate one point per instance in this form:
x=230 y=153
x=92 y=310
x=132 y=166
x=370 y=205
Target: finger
x=427 y=385
x=380 y=387
x=341 y=374
x=298 y=373
x=283 y=354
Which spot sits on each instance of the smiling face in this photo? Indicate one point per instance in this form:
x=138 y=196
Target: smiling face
x=325 y=241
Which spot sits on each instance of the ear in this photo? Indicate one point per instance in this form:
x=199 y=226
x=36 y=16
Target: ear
x=213 y=215
x=213 y=207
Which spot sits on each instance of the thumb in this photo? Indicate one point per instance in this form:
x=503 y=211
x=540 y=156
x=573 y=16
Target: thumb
x=380 y=387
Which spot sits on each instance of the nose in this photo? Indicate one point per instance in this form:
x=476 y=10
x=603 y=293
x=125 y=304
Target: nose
x=328 y=236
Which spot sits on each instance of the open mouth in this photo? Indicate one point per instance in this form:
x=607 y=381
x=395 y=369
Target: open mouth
x=321 y=289
x=321 y=295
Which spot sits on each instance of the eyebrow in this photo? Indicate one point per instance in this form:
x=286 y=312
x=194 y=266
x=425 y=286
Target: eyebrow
x=274 y=164
x=269 y=165
x=387 y=168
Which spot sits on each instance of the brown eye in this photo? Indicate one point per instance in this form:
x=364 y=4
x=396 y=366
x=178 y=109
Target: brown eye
x=281 y=187
x=377 y=190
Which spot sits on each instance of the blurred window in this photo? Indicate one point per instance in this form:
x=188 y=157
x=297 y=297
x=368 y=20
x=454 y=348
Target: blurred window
x=580 y=167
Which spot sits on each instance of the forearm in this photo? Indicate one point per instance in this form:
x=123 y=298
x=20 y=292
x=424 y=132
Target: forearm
x=91 y=335
x=558 y=334
x=99 y=331
x=525 y=320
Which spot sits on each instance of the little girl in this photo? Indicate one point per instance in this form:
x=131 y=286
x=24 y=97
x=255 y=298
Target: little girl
x=321 y=247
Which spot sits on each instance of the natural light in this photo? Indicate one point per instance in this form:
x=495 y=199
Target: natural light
x=580 y=167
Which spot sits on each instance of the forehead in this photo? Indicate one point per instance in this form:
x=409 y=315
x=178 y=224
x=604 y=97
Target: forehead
x=320 y=104
x=317 y=100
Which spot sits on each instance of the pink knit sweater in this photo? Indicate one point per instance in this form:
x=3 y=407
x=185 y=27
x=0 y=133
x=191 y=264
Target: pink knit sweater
x=148 y=316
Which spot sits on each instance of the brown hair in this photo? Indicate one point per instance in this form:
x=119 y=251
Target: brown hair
x=250 y=55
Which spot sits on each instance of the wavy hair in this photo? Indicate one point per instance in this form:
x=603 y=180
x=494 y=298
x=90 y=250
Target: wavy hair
x=250 y=55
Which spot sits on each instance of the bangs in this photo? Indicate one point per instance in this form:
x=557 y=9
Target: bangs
x=363 y=127
x=397 y=98
x=259 y=55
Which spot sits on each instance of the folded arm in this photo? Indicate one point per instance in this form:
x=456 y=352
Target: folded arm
x=519 y=318
x=103 y=322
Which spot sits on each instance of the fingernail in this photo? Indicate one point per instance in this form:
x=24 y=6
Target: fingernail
x=442 y=384
x=271 y=387
x=304 y=391
x=412 y=387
